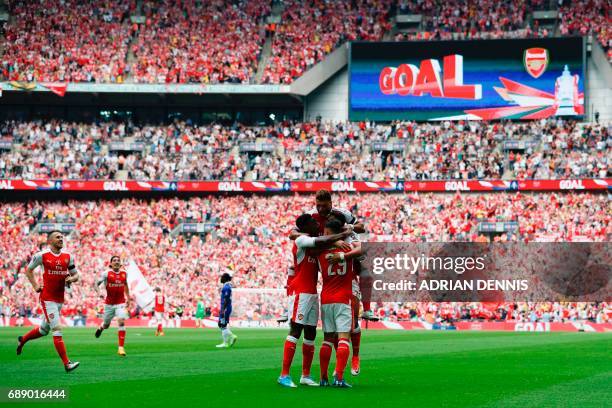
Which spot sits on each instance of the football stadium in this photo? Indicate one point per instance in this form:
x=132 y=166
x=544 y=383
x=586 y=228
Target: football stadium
x=277 y=202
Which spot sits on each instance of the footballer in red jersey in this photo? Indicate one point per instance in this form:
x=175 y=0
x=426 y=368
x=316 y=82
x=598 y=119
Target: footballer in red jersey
x=117 y=298
x=337 y=270
x=160 y=311
x=362 y=284
x=303 y=307
x=58 y=273
x=323 y=212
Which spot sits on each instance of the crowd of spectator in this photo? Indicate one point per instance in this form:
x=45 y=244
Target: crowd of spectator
x=584 y=17
x=200 y=42
x=67 y=41
x=250 y=237
x=472 y=19
x=447 y=313
x=306 y=151
x=310 y=30
x=217 y=41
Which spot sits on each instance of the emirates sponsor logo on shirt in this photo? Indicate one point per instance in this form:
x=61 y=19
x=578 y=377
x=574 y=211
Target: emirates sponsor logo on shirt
x=57 y=272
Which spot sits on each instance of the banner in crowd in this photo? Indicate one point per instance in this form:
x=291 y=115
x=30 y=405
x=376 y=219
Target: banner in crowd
x=58 y=88
x=139 y=287
x=530 y=78
x=309 y=186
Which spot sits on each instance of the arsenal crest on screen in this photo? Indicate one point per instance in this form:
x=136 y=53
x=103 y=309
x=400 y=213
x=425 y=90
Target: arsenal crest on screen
x=536 y=61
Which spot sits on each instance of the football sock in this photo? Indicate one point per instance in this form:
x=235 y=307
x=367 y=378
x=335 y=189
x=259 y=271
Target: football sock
x=342 y=357
x=324 y=356
x=121 y=334
x=31 y=335
x=288 y=353
x=60 y=347
x=356 y=341
x=307 y=356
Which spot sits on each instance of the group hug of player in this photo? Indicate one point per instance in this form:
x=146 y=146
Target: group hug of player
x=325 y=242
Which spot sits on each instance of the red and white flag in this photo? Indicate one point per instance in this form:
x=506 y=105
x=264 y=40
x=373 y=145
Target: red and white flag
x=139 y=287
x=58 y=88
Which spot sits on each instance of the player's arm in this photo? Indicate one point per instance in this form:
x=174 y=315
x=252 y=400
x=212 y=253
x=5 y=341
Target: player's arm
x=29 y=272
x=127 y=295
x=72 y=271
x=349 y=218
x=304 y=241
x=338 y=257
x=98 y=282
x=295 y=233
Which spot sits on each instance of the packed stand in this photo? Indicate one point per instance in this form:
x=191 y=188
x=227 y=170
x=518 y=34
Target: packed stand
x=473 y=19
x=250 y=237
x=199 y=42
x=584 y=17
x=306 y=151
x=309 y=30
x=567 y=151
x=67 y=41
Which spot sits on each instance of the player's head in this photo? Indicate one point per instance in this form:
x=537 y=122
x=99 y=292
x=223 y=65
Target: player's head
x=324 y=202
x=226 y=277
x=306 y=223
x=333 y=227
x=158 y=289
x=55 y=239
x=115 y=262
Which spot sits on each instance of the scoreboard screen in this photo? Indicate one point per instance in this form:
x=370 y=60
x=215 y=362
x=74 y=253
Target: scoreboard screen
x=458 y=80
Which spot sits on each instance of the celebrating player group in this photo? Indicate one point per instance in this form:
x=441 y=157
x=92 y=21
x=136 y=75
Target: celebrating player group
x=325 y=242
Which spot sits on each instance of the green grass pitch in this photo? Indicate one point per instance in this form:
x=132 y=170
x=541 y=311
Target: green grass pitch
x=399 y=369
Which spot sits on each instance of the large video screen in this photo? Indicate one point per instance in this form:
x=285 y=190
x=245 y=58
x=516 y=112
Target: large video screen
x=476 y=80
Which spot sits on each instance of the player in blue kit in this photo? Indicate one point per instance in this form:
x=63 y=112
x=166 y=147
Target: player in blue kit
x=229 y=338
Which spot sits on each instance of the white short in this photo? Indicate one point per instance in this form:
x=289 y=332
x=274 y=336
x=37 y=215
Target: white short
x=52 y=313
x=337 y=318
x=111 y=311
x=304 y=308
x=159 y=316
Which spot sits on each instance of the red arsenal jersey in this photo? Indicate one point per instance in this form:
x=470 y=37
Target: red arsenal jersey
x=115 y=287
x=160 y=301
x=337 y=279
x=305 y=267
x=56 y=267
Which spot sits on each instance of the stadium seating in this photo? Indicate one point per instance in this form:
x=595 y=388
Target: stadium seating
x=190 y=41
x=312 y=29
x=213 y=42
x=473 y=19
x=585 y=17
x=68 y=41
x=247 y=244
x=306 y=151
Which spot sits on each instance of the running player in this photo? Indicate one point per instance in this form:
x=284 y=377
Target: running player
x=229 y=338
x=59 y=272
x=303 y=299
x=117 y=299
x=160 y=311
x=336 y=300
